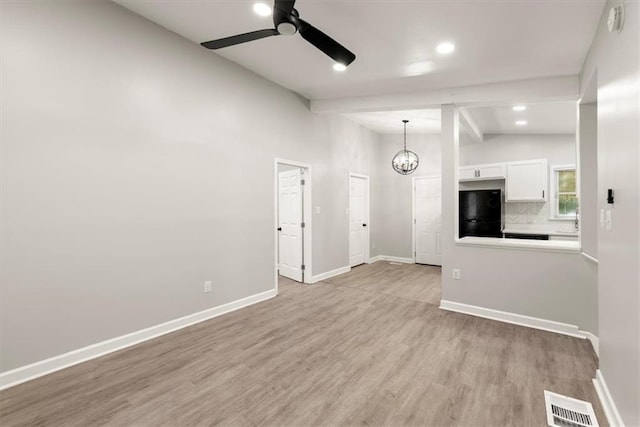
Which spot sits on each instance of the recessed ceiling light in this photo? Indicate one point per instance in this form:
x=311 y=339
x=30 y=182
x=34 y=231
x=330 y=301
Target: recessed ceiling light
x=519 y=107
x=521 y=122
x=446 y=47
x=339 y=67
x=262 y=9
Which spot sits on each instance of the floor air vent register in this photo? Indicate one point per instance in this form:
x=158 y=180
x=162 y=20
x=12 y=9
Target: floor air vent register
x=564 y=411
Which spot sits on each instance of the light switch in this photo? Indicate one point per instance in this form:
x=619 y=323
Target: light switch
x=317 y=209
x=607 y=220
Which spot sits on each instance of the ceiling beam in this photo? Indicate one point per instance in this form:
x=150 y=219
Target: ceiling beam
x=550 y=89
x=469 y=125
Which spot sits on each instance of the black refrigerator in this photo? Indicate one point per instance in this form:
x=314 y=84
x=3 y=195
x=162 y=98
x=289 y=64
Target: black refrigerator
x=480 y=213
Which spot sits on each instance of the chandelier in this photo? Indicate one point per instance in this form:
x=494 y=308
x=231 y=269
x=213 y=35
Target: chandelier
x=405 y=161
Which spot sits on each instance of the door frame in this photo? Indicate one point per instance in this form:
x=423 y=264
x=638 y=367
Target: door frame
x=306 y=218
x=367 y=252
x=413 y=208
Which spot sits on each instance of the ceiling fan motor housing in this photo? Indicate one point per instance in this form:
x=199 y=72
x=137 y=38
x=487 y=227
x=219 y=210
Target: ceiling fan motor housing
x=288 y=24
x=287 y=28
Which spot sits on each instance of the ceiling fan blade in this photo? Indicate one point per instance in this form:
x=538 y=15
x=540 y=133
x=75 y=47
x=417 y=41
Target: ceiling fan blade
x=281 y=10
x=325 y=43
x=284 y=5
x=240 y=38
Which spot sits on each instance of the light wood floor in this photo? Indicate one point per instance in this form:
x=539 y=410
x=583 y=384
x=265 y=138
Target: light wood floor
x=409 y=281
x=346 y=352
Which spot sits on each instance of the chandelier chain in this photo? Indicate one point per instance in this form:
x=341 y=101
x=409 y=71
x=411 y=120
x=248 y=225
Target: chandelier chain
x=405 y=134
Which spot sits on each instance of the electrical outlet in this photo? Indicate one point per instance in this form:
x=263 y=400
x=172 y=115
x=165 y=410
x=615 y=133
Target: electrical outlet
x=207 y=286
x=455 y=273
x=374 y=245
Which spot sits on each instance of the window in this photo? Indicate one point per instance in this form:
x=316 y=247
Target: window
x=564 y=193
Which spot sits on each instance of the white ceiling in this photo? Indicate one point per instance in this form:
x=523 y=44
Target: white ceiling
x=542 y=118
x=386 y=122
x=548 y=118
x=395 y=41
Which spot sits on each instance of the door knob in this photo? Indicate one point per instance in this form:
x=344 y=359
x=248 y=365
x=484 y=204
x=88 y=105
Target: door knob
x=364 y=225
x=279 y=228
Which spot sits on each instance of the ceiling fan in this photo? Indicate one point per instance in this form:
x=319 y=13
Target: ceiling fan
x=287 y=22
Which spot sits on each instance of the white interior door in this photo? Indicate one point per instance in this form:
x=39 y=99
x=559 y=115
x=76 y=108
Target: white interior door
x=358 y=220
x=290 y=240
x=428 y=220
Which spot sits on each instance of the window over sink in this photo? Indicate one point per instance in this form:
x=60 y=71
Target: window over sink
x=564 y=192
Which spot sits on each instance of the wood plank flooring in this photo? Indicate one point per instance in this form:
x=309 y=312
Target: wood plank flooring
x=344 y=352
x=410 y=281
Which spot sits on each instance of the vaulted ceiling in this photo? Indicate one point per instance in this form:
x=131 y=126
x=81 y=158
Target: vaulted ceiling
x=395 y=41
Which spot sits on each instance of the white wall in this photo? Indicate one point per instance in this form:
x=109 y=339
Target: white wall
x=589 y=211
x=391 y=192
x=615 y=58
x=349 y=148
x=511 y=148
x=549 y=285
x=135 y=166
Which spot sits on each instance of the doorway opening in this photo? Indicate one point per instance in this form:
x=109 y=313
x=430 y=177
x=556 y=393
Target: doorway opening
x=292 y=201
x=358 y=219
x=590 y=207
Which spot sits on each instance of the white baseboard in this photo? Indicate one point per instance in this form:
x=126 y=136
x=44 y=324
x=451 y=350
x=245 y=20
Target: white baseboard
x=392 y=259
x=330 y=274
x=589 y=257
x=608 y=405
x=595 y=342
x=399 y=259
x=516 y=319
x=56 y=363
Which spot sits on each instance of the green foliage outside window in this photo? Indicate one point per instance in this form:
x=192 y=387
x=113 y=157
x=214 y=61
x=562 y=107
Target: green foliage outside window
x=566 y=192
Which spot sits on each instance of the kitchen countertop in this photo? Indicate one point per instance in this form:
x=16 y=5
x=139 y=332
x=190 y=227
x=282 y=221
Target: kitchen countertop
x=519 y=230
x=540 y=245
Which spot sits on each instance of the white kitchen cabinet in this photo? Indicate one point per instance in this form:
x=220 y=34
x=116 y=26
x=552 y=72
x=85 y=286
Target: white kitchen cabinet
x=492 y=171
x=527 y=181
x=468 y=173
x=482 y=172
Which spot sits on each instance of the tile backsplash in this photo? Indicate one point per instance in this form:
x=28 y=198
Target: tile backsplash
x=533 y=213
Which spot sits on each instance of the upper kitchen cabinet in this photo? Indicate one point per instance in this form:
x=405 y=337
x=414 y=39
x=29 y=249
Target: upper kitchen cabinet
x=527 y=181
x=482 y=172
x=468 y=173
